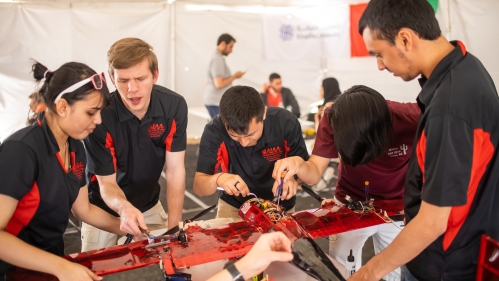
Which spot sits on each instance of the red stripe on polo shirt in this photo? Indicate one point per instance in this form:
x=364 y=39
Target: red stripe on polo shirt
x=61 y=162
x=222 y=159
x=483 y=150
x=110 y=145
x=286 y=148
x=73 y=159
x=421 y=152
x=169 y=138
x=25 y=211
x=463 y=48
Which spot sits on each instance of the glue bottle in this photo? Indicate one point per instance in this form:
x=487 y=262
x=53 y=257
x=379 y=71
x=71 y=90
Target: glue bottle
x=350 y=265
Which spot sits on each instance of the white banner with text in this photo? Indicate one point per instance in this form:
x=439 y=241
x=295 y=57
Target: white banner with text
x=313 y=33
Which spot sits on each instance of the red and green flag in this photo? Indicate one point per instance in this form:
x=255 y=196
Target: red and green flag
x=357 y=46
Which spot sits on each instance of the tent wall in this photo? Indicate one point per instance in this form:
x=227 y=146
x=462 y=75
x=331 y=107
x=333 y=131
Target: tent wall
x=55 y=33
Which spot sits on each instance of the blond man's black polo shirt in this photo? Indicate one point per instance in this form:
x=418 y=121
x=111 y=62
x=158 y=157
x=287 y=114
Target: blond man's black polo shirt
x=135 y=149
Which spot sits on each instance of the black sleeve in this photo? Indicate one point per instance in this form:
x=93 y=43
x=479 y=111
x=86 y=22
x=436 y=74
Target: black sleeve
x=18 y=169
x=291 y=101
x=264 y=98
x=100 y=149
x=293 y=137
x=178 y=141
x=212 y=152
x=447 y=147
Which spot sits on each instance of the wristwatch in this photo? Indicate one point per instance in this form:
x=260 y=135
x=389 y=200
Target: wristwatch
x=231 y=268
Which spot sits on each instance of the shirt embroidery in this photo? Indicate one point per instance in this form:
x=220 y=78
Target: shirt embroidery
x=78 y=170
x=272 y=154
x=156 y=130
x=398 y=151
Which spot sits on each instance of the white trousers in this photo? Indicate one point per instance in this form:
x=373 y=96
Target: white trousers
x=93 y=238
x=383 y=235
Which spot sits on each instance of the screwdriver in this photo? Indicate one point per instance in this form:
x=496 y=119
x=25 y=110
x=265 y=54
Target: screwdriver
x=279 y=189
x=366 y=190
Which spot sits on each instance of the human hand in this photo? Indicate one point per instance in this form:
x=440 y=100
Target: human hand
x=233 y=185
x=289 y=189
x=130 y=217
x=239 y=74
x=363 y=274
x=265 y=87
x=70 y=271
x=269 y=248
x=291 y=165
x=327 y=201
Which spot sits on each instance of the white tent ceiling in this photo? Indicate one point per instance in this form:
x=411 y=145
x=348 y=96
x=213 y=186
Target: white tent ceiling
x=58 y=31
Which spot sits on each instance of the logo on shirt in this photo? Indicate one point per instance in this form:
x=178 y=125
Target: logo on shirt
x=272 y=154
x=78 y=170
x=156 y=130
x=398 y=151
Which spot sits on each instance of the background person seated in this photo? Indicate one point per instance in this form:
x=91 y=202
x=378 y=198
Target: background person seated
x=274 y=94
x=330 y=90
x=36 y=105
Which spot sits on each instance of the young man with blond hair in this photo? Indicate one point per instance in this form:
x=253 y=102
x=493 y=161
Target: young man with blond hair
x=142 y=130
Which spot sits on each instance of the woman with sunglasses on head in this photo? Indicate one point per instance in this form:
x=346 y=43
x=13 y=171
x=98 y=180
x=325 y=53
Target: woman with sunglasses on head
x=42 y=168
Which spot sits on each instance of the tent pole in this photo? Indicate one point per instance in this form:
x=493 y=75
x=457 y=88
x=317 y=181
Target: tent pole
x=448 y=21
x=172 y=42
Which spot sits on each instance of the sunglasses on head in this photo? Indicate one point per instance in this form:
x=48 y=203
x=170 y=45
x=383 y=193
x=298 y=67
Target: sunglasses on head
x=98 y=80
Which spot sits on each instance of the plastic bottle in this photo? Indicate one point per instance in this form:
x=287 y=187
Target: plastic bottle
x=350 y=265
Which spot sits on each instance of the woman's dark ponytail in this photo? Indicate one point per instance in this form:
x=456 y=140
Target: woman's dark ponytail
x=40 y=71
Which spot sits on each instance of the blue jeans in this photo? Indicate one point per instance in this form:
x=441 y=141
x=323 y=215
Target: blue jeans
x=214 y=110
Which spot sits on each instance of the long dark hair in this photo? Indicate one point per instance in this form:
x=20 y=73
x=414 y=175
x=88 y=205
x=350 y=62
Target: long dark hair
x=331 y=89
x=64 y=77
x=362 y=125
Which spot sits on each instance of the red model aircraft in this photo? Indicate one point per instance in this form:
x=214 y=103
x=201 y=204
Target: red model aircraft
x=197 y=245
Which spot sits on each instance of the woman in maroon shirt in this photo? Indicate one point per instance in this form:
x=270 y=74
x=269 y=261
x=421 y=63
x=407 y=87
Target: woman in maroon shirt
x=373 y=138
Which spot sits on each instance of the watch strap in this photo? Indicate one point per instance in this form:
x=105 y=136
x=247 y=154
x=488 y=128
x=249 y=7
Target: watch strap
x=236 y=275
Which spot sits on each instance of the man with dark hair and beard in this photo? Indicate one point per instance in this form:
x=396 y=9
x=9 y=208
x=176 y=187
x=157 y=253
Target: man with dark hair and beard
x=274 y=94
x=219 y=78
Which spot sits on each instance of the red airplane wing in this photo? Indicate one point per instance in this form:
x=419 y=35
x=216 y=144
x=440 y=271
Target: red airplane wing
x=207 y=245
x=204 y=246
x=332 y=219
x=226 y=242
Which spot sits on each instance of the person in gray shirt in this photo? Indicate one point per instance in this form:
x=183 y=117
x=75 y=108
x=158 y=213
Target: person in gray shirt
x=219 y=77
